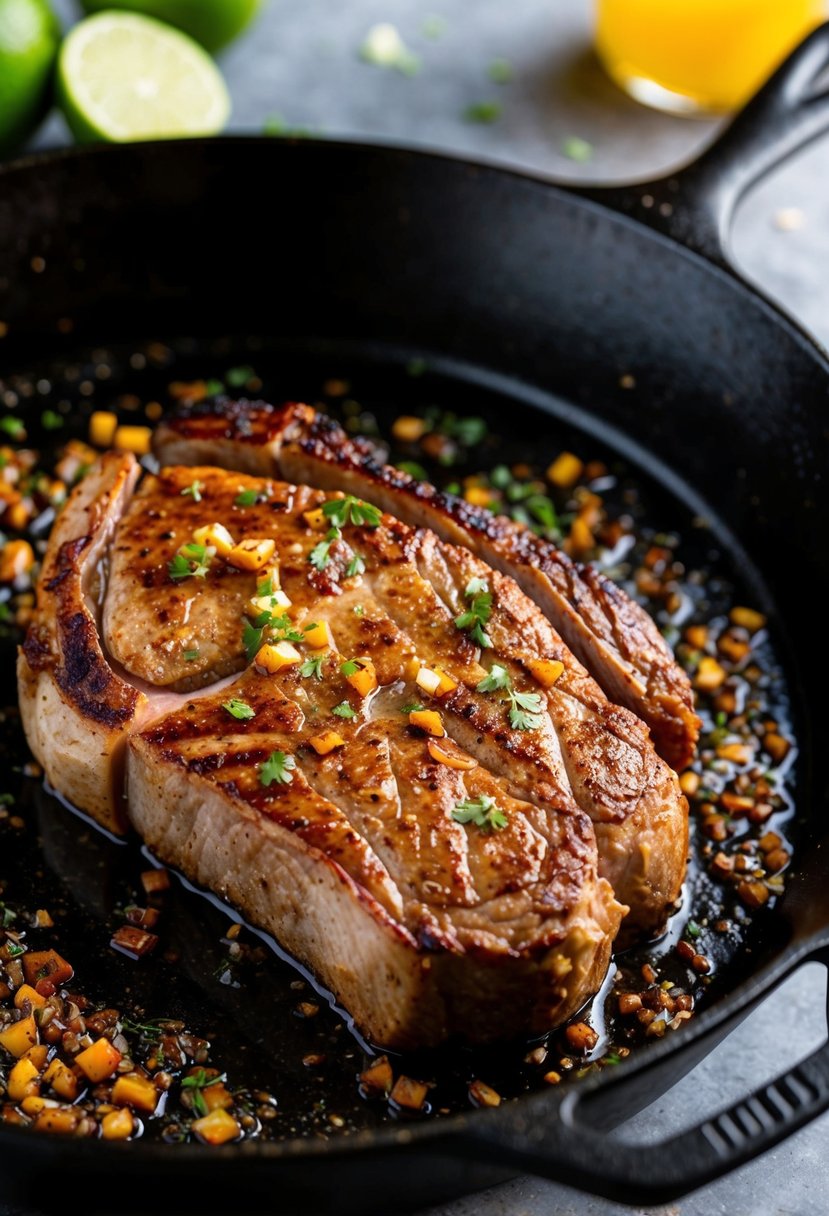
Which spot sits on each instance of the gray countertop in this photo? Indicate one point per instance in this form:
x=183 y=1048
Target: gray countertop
x=301 y=62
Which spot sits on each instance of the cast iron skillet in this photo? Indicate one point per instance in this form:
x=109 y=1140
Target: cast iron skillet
x=548 y=295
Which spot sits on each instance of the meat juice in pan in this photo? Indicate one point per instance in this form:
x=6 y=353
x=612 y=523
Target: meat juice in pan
x=290 y=1060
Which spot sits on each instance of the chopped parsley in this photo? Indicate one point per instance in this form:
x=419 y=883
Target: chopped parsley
x=344 y=710
x=575 y=148
x=194 y=490
x=312 y=667
x=526 y=710
x=50 y=420
x=411 y=708
x=190 y=655
x=340 y=511
x=279 y=768
x=12 y=427
x=500 y=71
x=478 y=613
x=249 y=498
x=237 y=377
x=191 y=560
x=239 y=709
x=483 y=811
x=320 y=555
x=497 y=679
x=355 y=566
x=349 y=667
x=483 y=111
x=358 y=610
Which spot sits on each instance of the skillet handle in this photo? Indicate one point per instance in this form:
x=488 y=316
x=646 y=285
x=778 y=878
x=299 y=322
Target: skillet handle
x=695 y=204
x=561 y=1142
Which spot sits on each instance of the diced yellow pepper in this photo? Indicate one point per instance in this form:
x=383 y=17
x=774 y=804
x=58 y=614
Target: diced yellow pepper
x=62 y=1080
x=217 y=1096
x=273 y=656
x=132 y=1089
x=117 y=1125
x=478 y=496
x=16 y=557
x=98 y=1061
x=326 y=742
x=218 y=1127
x=318 y=635
x=448 y=753
x=34 y=1104
x=316 y=519
x=428 y=720
x=408 y=429
x=38 y=1054
x=270 y=603
x=748 y=618
x=710 y=675
x=364 y=679
x=252 y=554
x=411 y=669
x=102 y=425
x=19 y=1036
x=24 y=1080
x=216 y=535
x=447 y=684
x=546 y=671
x=61 y=1120
x=565 y=470
x=135 y=439
x=27 y=993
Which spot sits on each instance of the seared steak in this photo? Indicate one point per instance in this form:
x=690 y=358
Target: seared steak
x=432 y=865
x=613 y=636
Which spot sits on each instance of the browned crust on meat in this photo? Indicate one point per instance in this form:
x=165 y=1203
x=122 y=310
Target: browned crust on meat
x=612 y=635
x=76 y=711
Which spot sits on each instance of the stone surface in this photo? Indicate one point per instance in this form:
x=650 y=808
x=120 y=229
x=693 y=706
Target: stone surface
x=302 y=63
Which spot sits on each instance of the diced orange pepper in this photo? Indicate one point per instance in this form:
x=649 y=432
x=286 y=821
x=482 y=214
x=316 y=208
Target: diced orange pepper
x=132 y=1089
x=18 y=1037
x=326 y=742
x=38 y=1054
x=428 y=720
x=17 y=557
x=117 y=1125
x=218 y=1127
x=273 y=656
x=565 y=470
x=748 y=618
x=60 y=1120
x=709 y=675
x=364 y=679
x=135 y=439
x=46 y=965
x=27 y=993
x=318 y=635
x=478 y=496
x=62 y=1080
x=98 y=1061
x=546 y=671
x=448 y=753
x=408 y=429
x=217 y=1096
x=24 y=1080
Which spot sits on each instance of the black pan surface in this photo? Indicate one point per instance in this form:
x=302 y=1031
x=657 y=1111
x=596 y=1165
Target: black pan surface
x=563 y=321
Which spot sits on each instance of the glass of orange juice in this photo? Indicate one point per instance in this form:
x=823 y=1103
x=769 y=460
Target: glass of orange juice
x=699 y=56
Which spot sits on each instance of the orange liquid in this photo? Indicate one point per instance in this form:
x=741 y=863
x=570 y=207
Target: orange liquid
x=699 y=55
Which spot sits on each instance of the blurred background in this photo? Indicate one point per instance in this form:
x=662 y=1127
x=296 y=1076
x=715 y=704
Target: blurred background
x=520 y=83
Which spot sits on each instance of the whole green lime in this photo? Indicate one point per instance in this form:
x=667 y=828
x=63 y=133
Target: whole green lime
x=29 y=37
x=213 y=23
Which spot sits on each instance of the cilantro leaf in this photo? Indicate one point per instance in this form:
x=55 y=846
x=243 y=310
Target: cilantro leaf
x=320 y=555
x=497 y=679
x=190 y=655
x=239 y=709
x=525 y=710
x=355 y=566
x=349 y=667
x=478 y=613
x=249 y=498
x=278 y=767
x=411 y=708
x=342 y=510
x=253 y=633
x=312 y=667
x=483 y=811
x=344 y=710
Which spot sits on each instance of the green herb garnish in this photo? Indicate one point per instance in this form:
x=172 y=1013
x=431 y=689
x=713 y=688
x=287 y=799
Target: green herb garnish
x=190 y=655
x=278 y=767
x=312 y=667
x=192 y=560
x=577 y=149
x=320 y=555
x=51 y=420
x=355 y=566
x=237 y=377
x=239 y=709
x=249 y=498
x=340 y=511
x=525 y=710
x=500 y=71
x=197 y=1082
x=482 y=811
x=411 y=708
x=344 y=710
x=497 y=679
x=193 y=490
x=478 y=613
x=12 y=427
x=349 y=667
x=483 y=111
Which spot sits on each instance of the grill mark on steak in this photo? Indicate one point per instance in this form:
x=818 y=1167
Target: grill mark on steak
x=613 y=636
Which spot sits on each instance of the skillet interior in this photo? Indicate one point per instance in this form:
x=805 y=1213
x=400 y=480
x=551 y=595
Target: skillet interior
x=539 y=297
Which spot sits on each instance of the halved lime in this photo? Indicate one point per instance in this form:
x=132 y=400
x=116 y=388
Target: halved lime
x=213 y=23
x=123 y=77
x=29 y=36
